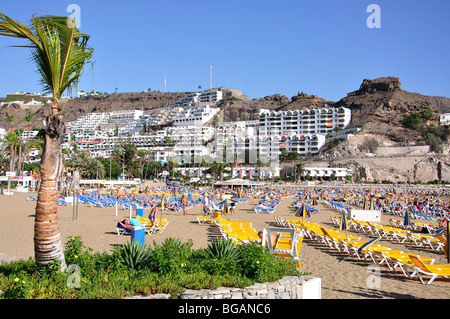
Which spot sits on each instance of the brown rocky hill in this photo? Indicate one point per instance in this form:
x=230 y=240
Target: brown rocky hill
x=378 y=105
x=77 y=107
x=248 y=110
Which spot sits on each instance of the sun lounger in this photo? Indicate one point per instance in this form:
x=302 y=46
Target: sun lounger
x=122 y=230
x=430 y=270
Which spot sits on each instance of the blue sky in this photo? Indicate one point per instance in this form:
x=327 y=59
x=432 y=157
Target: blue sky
x=321 y=47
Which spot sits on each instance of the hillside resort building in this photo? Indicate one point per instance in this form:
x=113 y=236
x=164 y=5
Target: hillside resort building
x=189 y=130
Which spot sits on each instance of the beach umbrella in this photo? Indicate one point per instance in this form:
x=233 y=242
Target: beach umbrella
x=225 y=208
x=363 y=249
x=162 y=201
x=407 y=220
x=366 y=204
x=371 y=205
x=441 y=230
x=266 y=197
x=447 y=246
x=344 y=223
x=314 y=201
x=302 y=212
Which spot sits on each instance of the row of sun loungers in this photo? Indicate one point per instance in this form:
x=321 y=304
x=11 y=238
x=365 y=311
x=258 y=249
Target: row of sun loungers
x=238 y=231
x=411 y=265
x=398 y=234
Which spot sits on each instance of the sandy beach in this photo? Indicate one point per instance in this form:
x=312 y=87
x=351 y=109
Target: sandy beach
x=340 y=280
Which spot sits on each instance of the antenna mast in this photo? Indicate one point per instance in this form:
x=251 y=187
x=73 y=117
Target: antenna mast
x=210 y=77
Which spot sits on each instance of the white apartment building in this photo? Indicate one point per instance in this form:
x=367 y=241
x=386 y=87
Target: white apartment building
x=28 y=135
x=88 y=122
x=300 y=131
x=300 y=122
x=93 y=121
x=190 y=143
x=445 y=119
x=182 y=143
x=125 y=116
x=207 y=97
x=194 y=115
x=235 y=138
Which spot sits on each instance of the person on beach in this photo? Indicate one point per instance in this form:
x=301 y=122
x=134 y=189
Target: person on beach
x=206 y=205
x=266 y=243
x=125 y=223
x=443 y=223
x=184 y=204
x=152 y=215
x=232 y=211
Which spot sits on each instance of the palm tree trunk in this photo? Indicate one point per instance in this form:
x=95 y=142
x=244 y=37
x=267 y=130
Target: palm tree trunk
x=47 y=239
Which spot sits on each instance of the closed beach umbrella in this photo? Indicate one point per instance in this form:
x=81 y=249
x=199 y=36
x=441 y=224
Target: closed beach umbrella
x=225 y=204
x=162 y=201
x=344 y=223
x=365 y=204
x=372 y=205
x=363 y=248
x=407 y=220
x=314 y=201
x=447 y=246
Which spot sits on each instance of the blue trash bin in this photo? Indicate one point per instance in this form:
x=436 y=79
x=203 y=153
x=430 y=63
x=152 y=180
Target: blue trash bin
x=138 y=234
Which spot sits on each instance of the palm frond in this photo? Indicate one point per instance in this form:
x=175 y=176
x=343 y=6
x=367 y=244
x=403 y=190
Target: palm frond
x=60 y=52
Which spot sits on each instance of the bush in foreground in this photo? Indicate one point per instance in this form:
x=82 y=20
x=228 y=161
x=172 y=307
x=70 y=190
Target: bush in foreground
x=170 y=267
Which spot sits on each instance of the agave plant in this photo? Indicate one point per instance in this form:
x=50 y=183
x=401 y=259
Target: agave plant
x=221 y=247
x=134 y=254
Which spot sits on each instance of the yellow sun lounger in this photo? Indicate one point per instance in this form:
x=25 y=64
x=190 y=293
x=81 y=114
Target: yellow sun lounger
x=431 y=270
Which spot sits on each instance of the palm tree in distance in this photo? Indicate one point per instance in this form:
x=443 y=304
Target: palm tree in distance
x=60 y=52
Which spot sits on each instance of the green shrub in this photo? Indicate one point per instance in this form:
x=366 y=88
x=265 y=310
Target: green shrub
x=221 y=247
x=172 y=256
x=262 y=266
x=135 y=269
x=134 y=255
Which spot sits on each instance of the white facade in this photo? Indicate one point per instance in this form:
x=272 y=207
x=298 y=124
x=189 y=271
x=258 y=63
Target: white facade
x=194 y=115
x=339 y=173
x=445 y=119
x=207 y=97
x=300 y=122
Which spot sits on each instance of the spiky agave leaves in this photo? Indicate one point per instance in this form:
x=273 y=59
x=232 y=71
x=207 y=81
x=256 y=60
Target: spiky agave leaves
x=223 y=248
x=134 y=255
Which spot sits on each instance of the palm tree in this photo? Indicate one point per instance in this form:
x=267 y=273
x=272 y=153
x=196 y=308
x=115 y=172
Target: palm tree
x=29 y=117
x=92 y=169
x=60 y=53
x=10 y=119
x=300 y=170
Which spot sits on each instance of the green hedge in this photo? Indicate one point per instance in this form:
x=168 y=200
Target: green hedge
x=170 y=267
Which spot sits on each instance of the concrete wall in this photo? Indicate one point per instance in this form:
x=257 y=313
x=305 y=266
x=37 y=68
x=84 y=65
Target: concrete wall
x=289 y=287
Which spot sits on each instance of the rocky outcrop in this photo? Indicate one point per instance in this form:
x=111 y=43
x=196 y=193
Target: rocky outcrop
x=385 y=84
